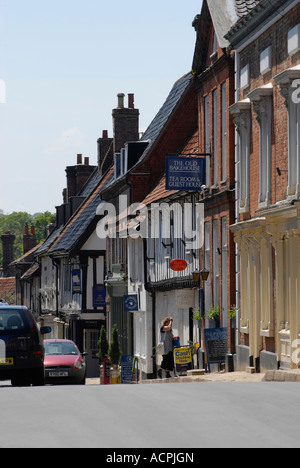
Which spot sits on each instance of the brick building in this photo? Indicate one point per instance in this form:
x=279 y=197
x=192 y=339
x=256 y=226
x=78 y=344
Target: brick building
x=213 y=66
x=267 y=234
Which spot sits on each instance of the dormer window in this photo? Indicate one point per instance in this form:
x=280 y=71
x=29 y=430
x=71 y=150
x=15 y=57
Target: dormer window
x=128 y=157
x=117 y=165
x=214 y=48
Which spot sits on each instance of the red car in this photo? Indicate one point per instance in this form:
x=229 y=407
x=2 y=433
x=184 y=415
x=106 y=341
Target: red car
x=63 y=362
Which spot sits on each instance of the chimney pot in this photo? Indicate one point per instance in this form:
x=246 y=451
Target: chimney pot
x=26 y=229
x=105 y=134
x=32 y=230
x=87 y=161
x=131 y=101
x=121 y=100
x=79 y=158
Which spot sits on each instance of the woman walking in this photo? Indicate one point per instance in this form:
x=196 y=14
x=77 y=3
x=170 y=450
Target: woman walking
x=168 y=358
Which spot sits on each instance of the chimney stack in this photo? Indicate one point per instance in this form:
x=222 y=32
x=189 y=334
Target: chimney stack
x=125 y=122
x=8 y=240
x=121 y=100
x=131 y=101
x=105 y=156
x=77 y=176
x=51 y=227
x=29 y=240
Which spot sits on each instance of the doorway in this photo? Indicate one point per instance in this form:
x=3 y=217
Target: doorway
x=90 y=346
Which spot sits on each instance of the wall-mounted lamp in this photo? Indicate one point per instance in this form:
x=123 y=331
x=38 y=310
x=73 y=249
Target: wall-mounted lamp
x=200 y=275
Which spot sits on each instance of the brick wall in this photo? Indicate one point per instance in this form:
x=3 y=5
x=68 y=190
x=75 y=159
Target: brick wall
x=276 y=37
x=219 y=199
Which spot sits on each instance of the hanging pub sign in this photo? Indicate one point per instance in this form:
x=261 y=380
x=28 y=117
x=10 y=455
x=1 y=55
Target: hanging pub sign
x=76 y=281
x=185 y=173
x=131 y=303
x=178 y=265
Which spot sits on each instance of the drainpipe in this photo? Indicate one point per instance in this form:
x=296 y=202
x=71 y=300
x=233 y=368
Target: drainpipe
x=237 y=189
x=56 y=264
x=154 y=333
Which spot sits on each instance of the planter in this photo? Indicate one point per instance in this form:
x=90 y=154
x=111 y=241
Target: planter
x=105 y=372
x=233 y=323
x=101 y=374
x=115 y=375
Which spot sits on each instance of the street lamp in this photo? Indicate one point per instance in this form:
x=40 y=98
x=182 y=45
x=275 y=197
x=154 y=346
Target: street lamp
x=199 y=276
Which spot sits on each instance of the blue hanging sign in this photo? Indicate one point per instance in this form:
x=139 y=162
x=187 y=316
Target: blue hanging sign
x=131 y=303
x=76 y=282
x=185 y=173
x=99 y=295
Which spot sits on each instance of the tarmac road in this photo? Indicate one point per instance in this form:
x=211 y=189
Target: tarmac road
x=191 y=415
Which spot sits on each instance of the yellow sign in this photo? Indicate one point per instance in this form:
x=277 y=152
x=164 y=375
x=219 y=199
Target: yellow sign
x=182 y=355
x=6 y=362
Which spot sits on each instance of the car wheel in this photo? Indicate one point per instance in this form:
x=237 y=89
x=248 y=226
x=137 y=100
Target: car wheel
x=38 y=378
x=21 y=381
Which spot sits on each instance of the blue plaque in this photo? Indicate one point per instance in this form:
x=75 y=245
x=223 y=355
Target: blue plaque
x=131 y=303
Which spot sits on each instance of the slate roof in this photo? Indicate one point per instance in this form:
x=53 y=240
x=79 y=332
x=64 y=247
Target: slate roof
x=48 y=242
x=163 y=115
x=90 y=184
x=77 y=225
x=245 y=6
x=27 y=257
x=225 y=14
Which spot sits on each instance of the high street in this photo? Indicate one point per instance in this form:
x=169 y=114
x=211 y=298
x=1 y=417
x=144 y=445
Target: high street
x=191 y=415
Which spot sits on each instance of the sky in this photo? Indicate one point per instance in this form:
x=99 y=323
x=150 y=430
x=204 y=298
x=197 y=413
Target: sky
x=62 y=64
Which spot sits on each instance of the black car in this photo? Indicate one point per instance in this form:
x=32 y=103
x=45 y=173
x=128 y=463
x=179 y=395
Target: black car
x=21 y=347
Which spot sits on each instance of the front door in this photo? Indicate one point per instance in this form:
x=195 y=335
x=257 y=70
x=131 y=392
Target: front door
x=91 y=338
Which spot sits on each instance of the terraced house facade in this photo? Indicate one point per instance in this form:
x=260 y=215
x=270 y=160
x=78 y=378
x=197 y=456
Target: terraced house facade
x=266 y=115
x=238 y=109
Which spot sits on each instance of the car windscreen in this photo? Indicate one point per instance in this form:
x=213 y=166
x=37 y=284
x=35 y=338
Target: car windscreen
x=14 y=320
x=60 y=349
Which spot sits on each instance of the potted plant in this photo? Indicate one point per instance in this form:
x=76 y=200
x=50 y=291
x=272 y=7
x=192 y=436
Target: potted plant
x=232 y=315
x=214 y=314
x=198 y=316
x=115 y=356
x=103 y=353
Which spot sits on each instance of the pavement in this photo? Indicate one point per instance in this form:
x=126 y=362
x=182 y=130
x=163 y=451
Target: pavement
x=269 y=376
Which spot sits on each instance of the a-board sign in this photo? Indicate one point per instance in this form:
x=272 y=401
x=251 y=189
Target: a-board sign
x=127 y=368
x=216 y=345
x=182 y=360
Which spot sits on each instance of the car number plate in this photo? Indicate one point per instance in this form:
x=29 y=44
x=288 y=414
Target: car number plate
x=58 y=374
x=7 y=362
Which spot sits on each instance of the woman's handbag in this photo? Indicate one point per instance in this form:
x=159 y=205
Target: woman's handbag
x=160 y=348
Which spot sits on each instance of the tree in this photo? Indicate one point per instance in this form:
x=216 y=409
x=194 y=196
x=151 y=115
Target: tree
x=114 y=349
x=103 y=345
x=16 y=222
